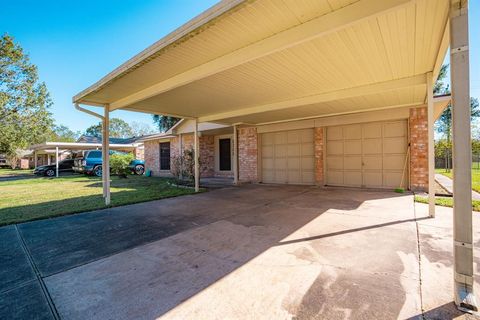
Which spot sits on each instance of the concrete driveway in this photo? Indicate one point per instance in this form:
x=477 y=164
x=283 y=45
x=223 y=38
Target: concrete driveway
x=251 y=252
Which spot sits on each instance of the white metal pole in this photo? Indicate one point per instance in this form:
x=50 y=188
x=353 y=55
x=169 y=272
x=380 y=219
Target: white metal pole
x=56 y=161
x=462 y=157
x=196 y=157
x=235 y=155
x=106 y=152
x=103 y=158
x=431 y=147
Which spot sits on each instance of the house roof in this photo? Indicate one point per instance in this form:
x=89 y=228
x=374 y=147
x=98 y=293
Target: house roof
x=265 y=61
x=80 y=146
x=94 y=139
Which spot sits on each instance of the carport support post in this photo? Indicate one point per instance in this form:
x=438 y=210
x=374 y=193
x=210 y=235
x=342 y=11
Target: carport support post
x=106 y=155
x=235 y=155
x=35 y=158
x=56 y=161
x=196 y=155
x=431 y=147
x=462 y=157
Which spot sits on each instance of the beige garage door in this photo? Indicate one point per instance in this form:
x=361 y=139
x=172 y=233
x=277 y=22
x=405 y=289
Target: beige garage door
x=370 y=155
x=287 y=157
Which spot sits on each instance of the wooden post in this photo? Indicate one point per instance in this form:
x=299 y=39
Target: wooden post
x=35 y=160
x=462 y=157
x=196 y=157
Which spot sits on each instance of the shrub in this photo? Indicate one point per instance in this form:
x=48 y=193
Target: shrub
x=183 y=166
x=119 y=163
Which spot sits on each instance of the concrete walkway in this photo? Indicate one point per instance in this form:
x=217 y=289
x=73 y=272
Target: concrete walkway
x=447 y=184
x=252 y=252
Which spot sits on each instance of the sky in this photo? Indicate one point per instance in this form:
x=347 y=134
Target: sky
x=75 y=43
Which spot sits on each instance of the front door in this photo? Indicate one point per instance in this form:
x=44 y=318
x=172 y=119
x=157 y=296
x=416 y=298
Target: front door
x=225 y=154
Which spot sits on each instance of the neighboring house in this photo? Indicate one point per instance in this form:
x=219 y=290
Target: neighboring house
x=46 y=153
x=379 y=149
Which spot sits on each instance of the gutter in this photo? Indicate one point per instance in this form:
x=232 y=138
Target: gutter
x=77 y=106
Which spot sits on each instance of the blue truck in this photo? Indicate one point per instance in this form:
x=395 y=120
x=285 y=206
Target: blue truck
x=91 y=163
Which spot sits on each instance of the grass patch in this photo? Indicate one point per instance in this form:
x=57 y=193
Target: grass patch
x=39 y=198
x=9 y=172
x=446 y=202
x=475 y=177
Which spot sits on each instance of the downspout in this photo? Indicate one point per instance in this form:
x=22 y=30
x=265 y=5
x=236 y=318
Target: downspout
x=106 y=184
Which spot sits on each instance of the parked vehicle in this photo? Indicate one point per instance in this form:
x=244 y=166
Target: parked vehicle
x=91 y=163
x=50 y=170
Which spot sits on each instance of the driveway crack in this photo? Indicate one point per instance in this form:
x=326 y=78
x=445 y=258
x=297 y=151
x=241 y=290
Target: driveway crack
x=38 y=276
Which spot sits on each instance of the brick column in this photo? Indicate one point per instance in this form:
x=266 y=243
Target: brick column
x=207 y=156
x=319 y=147
x=248 y=154
x=152 y=156
x=418 y=124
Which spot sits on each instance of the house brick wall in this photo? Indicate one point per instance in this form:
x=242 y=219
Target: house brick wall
x=248 y=154
x=418 y=124
x=139 y=153
x=318 y=153
x=207 y=156
x=152 y=156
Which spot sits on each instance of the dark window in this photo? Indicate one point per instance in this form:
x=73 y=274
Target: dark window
x=225 y=154
x=165 y=156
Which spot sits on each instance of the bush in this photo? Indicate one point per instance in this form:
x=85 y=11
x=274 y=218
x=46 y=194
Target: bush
x=183 y=166
x=119 y=163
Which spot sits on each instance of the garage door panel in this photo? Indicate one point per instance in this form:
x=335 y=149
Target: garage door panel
x=267 y=151
x=373 y=179
x=395 y=129
x=353 y=178
x=308 y=163
x=294 y=150
x=307 y=149
x=352 y=163
x=334 y=133
x=372 y=130
x=335 y=178
x=281 y=151
x=368 y=154
x=353 y=147
x=353 y=131
x=334 y=163
x=394 y=162
x=288 y=157
x=394 y=145
x=372 y=146
x=392 y=179
x=335 y=148
x=372 y=162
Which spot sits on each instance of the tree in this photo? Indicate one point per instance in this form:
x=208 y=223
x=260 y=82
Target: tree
x=164 y=122
x=141 y=129
x=118 y=129
x=444 y=123
x=24 y=100
x=61 y=133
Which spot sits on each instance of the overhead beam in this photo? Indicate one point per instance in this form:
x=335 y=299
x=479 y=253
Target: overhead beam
x=315 y=28
x=322 y=97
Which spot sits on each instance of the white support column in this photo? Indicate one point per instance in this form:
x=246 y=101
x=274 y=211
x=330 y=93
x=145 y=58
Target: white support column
x=56 y=161
x=431 y=146
x=235 y=155
x=462 y=157
x=180 y=154
x=196 y=155
x=35 y=159
x=106 y=155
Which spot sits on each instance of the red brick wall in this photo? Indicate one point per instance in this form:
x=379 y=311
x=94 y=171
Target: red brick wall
x=152 y=156
x=318 y=140
x=418 y=123
x=207 y=156
x=248 y=154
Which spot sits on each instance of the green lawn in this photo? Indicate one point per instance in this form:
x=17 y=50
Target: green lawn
x=8 y=172
x=446 y=202
x=475 y=177
x=39 y=198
